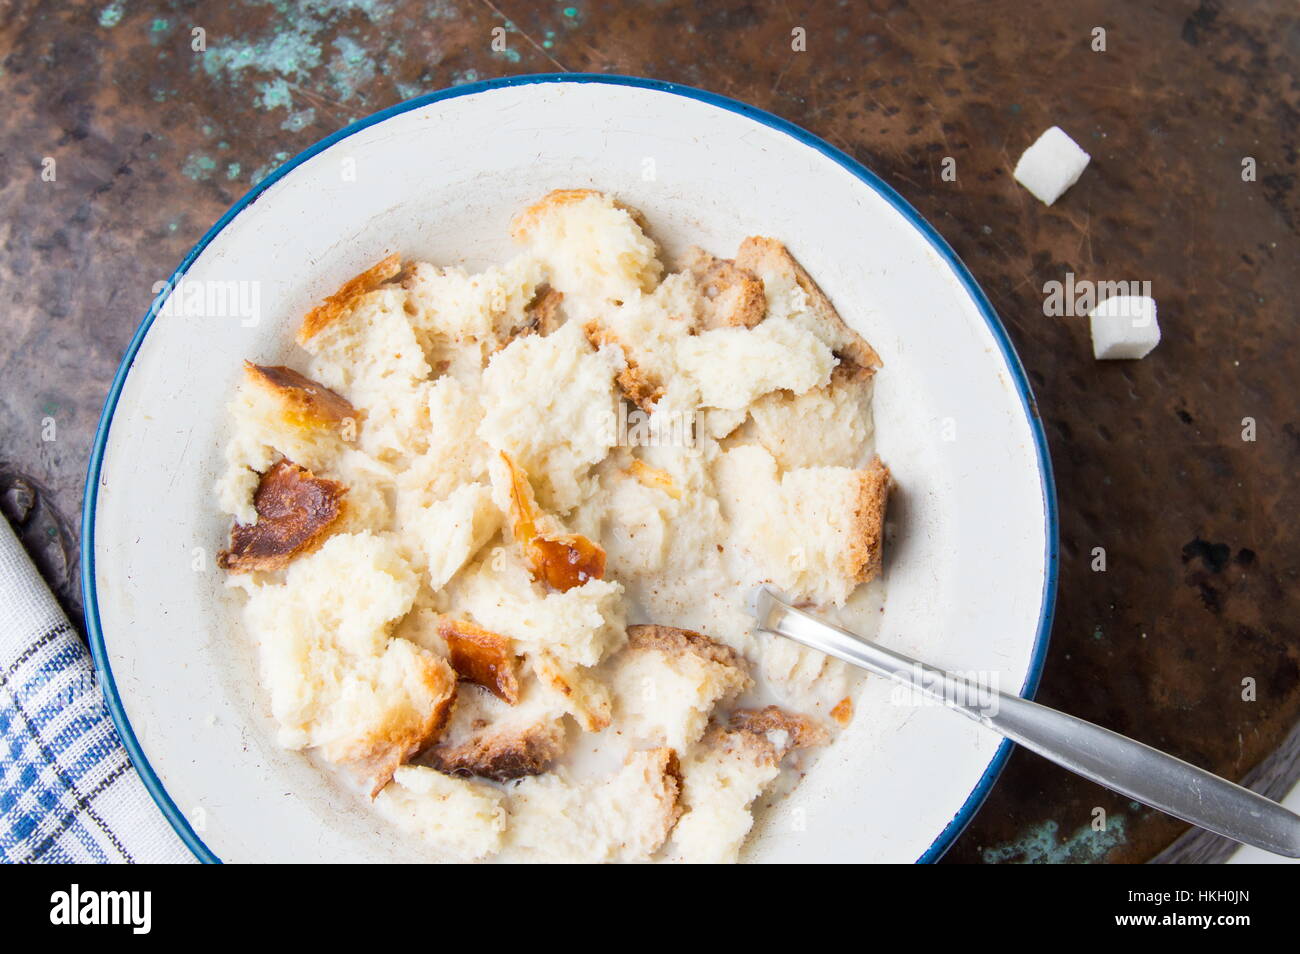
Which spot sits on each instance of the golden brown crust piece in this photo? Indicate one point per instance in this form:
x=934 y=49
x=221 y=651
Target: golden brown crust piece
x=734 y=296
x=863 y=559
x=377 y=757
x=526 y=221
x=502 y=755
x=329 y=310
x=306 y=403
x=759 y=254
x=296 y=510
x=482 y=657
x=671 y=640
x=562 y=561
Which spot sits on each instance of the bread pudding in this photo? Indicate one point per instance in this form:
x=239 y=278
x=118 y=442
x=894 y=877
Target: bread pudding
x=494 y=536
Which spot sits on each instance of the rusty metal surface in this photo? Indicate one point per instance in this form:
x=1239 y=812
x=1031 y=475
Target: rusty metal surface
x=151 y=140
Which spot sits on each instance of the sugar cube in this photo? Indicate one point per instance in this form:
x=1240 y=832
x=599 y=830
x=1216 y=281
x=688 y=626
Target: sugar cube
x=1051 y=165
x=1124 y=327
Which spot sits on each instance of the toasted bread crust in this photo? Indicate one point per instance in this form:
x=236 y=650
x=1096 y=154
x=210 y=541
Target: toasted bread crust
x=863 y=559
x=673 y=641
x=524 y=223
x=482 y=657
x=306 y=403
x=502 y=755
x=641 y=387
x=562 y=561
x=758 y=253
x=296 y=511
x=527 y=220
x=378 y=756
x=800 y=731
x=664 y=777
x=326 y=313
x=734 y=296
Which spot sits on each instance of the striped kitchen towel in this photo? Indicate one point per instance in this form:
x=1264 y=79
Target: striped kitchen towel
x=68 y=792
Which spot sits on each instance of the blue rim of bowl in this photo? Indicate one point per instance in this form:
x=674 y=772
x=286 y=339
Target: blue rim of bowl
x=113 y=699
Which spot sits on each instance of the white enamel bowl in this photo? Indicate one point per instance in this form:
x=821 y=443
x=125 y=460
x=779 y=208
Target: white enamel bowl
x=971 y=569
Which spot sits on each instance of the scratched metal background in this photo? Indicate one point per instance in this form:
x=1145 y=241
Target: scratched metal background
x=152 y=140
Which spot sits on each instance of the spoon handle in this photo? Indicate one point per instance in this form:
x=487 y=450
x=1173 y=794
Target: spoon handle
x=1107 y=758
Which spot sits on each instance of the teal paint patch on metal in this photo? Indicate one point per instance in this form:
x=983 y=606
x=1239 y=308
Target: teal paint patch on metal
x=232 y=171
x=291 y=53
x=274 y=95
x=111 y=15
x=300 y=120
x=352 y=69
x=199 y=167
x=1040 y=845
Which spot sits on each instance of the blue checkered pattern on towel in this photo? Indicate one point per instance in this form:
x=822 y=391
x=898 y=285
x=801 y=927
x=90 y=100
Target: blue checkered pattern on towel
x=68 y=792
x=61 y=753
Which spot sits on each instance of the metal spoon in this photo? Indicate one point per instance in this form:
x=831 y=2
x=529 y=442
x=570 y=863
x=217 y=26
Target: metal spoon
x=1107 y=758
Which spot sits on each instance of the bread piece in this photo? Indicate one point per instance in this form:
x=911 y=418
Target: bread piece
x=482 y=657
x=594 y=249
x=869 y=489
x=645 y=329
x=305 y=403
x=667 y=681
x=560 y=560
x=277 y=412
x=578 y=691
x=829 y=426
x=783 y=731
x=791 y=290
x=451 y=531
x=733 y=367
x=624 y=817
x=816 y=532
x=502 y=754
x=579 y=627
x=733 y=297
x=296 y=511
x=325 y=314
x=550 y=404
x=338 y=682
x=455 y=456
x=489 y=738
x=449 y=306
x=369 y=353
x=725 y=773
x=461 y=818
